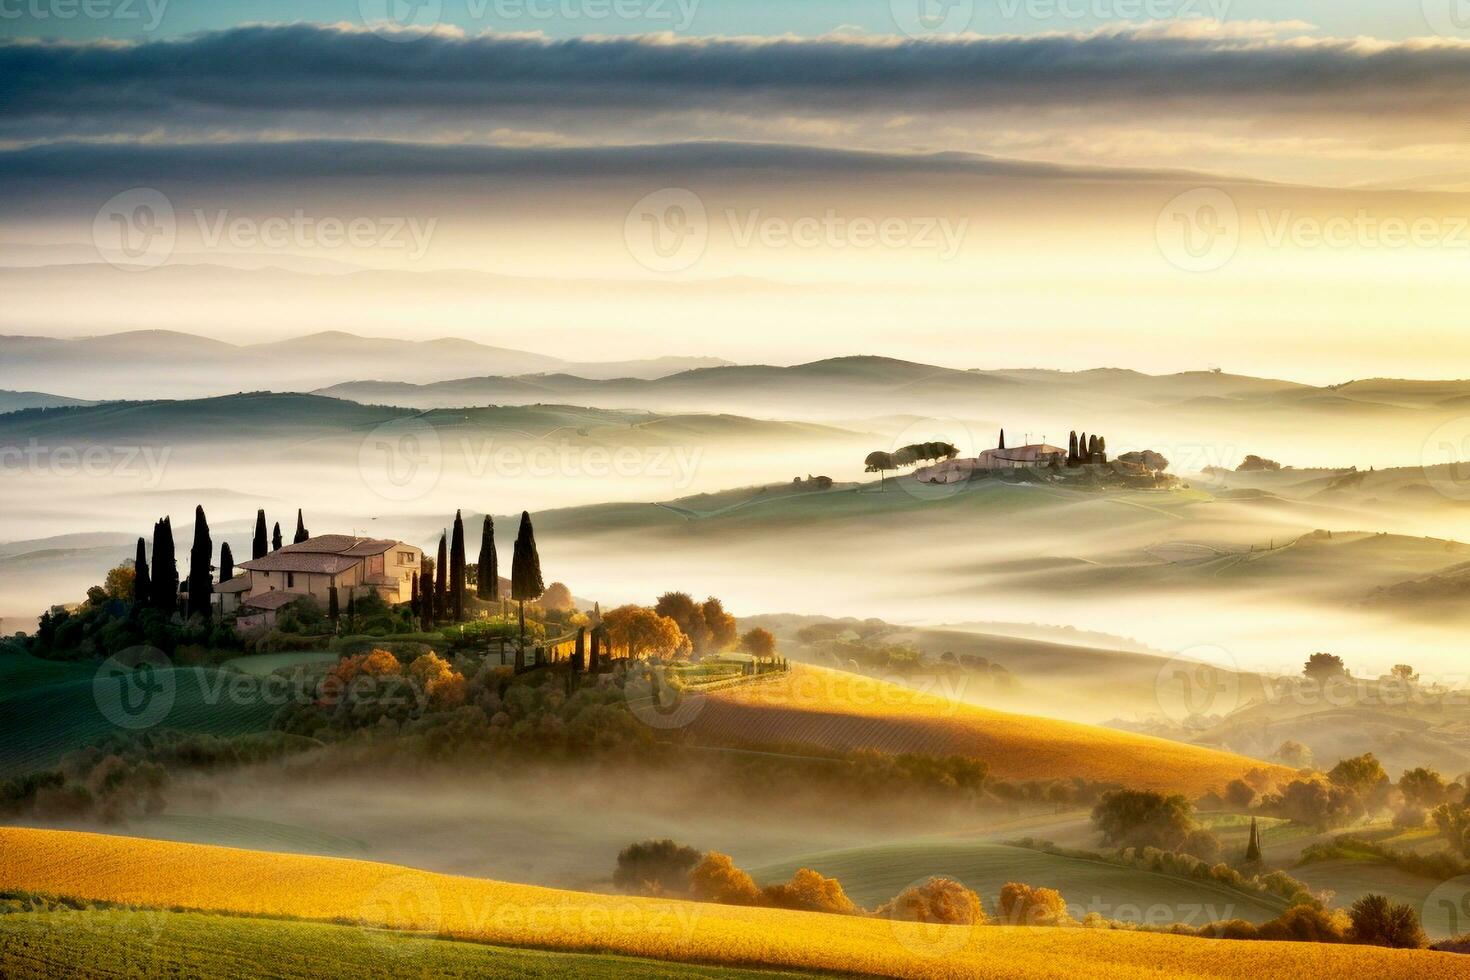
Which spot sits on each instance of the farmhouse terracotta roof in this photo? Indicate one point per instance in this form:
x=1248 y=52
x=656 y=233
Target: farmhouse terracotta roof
x=279 y=561
x=340 y=544
x=237 y=584
x=325 y=554
x=273 y=600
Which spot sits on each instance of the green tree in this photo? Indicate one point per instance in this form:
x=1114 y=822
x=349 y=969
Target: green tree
x=1378 y=921
x=226 y=562
x=759 y=643
x=1253 y=847
x=525 y=570
x=689 y=614
x=1422 y=787
x=259 y=548
x=456 y=570
x=1143 y=818
x=276 y=541
x=301 y=533
x=487 y=582
x=441 y=580
x=721 y=625
x=426 y=596
x=201 y=583
x=655 y=867
x=1322 y=666
x=165 y=571
x=1363 y=775
x=880 y=463
x=334 y=611
x=142 y=586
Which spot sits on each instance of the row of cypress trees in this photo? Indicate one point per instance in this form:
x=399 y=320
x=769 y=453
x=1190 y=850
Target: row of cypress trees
x=157 y=587
x=259 y=548
x=1086 y=449
x=439 y=590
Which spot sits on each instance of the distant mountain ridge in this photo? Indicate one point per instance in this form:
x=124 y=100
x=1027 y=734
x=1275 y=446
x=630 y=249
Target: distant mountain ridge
x=150 y=363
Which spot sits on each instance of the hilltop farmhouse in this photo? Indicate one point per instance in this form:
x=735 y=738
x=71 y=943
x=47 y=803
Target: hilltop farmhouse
x=353 y=566
x=1034 y=456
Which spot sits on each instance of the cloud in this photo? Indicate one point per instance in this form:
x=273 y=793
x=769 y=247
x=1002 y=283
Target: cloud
x=276 y=77
x=61 y=164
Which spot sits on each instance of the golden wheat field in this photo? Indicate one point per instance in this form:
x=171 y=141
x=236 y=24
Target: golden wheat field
x=198 y=877
x=839 y=710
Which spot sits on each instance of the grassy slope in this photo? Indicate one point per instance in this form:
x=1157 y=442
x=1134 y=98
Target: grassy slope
x=834 y=709
x=41 y=723
x=872 y=875
x=115 y=942
x=192 y=877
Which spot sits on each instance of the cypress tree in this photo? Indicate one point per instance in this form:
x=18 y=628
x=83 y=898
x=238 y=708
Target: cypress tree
x=525 y=569
x=276 y=537
x=488 y=586
x=413 y=594
x=456 y=570
x=141 y=585
x=226 y=563
x=1072 y=448
x=426 y=596
x=334 y=611
x=301 y=532
x=201 y=583
x=259 y=547
x=1082 y=449
x=165 y=572
x=1092 y=449
x=1253 y=849
x=1002 y=439
x=351 y=608
x=441 y=579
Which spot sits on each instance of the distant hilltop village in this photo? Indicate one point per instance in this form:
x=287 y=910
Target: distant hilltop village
x=1085 y=460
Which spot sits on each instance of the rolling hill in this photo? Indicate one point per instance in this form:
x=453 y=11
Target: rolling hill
x=129 y=364
x=47 y=711
x=200 y=878
x=837 y=710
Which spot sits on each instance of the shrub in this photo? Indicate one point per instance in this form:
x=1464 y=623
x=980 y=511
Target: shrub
x=655 y=867
x=1377 y=921
x=938 y=900
x=1230 y=929
x=1305 y=924
x=1202 y=844
x=1021 y=904
x=716 y=879
x=1136 y=818
x=808 y=891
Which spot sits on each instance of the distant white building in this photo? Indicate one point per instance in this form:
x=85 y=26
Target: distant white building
x=1035 y=456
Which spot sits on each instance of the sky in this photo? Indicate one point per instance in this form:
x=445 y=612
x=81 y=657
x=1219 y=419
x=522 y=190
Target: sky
x=1274 y=188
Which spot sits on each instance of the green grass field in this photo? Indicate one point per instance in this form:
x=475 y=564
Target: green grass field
x=872 y=875
x=42 y=723
x=21 y=672
x=147 y=943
